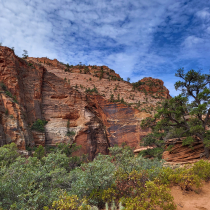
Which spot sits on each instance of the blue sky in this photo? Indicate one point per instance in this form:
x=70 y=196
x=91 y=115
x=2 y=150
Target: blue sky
x=136 y=38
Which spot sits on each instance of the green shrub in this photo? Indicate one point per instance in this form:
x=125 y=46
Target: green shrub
x=151 y=197
x=25 y=54
x=155 y=152
x=8 y=154
x=183 y=177
x=135 y=191
x=7 y=92
x=38 y=125
x=125 y=161
x=202 y=169
x=70 y=133
x=92 y=178
x=39 y=152
x=94 y=90
x=6 y=112
x=31 y=183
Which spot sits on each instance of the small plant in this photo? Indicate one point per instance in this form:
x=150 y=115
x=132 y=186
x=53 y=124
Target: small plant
x=71 y=202
x=86 y=70
x=202 y=169
x=118 y=97
x=6 y=112
x=94 y=90
x=112 y=98
x=128 y=79
x=7 y=92
x=25 y=54
x=136 y=85
x=39 y=152
x=70 y=133
x=11 y=116
x=38 y=125
x=3 y=86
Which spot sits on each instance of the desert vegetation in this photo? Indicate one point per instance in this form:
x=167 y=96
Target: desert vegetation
x=58 y=180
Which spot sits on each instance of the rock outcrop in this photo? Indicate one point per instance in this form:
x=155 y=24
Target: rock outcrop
x=89 y=105
x=153 y=87
x=179 y=153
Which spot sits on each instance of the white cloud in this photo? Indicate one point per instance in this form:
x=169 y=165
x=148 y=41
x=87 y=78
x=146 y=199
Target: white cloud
x=132 y=37
x=203 y=14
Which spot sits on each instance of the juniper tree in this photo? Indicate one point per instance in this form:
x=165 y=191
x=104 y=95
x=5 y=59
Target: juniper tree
x=25 y=54
x=185 y=115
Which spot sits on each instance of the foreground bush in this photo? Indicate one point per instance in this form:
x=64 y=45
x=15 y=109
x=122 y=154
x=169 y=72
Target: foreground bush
x=135 y=191
x=92 y=178
x=34 y=182
x=202 y=169
x=70 y=202
x=8 y=154
x=183 y=177
x=59 y=181
x=30 y=183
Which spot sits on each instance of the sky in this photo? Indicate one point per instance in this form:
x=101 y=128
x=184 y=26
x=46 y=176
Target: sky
x=136 y=38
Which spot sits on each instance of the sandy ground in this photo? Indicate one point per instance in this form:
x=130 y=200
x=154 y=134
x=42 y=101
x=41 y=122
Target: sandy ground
x=199 y=200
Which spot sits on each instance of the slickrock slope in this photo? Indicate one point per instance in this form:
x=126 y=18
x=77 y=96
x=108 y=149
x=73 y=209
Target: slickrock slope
x=88 y=105
x=180 y=153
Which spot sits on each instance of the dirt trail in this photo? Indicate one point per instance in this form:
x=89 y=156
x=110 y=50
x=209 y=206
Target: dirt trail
x=192 y=200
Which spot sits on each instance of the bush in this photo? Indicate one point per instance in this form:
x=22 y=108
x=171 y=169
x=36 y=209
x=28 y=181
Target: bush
x=39 y=152
x=38 y=125
x=94 y=90
x=31 y=183
x=136 y=192
x=183 y=177
x=61 y=181
x=25 y=54
x=70 y=133
x=92 y=178
x=8 y=154
x=7 y=92
x=202 y=169
x=152 y=197
x=155 y=152
x=70 y=202
x=124 y=160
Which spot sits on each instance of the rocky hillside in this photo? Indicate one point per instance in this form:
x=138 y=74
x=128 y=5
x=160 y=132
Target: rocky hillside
x=45 y=102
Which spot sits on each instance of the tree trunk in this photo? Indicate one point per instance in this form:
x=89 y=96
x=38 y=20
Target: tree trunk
x=206 y=152
x=206 y=149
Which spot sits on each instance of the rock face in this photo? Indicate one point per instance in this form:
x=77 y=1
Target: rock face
x=88 y=105
x=154 y=87
x=180 y=153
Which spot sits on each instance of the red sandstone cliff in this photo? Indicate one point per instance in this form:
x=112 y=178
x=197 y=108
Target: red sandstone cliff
x=92 y=102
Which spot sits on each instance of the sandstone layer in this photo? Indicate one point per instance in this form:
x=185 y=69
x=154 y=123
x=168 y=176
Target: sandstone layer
x=179 y=153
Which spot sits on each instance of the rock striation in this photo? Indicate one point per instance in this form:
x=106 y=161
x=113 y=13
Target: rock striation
x=88 y=105
x=179 y=153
